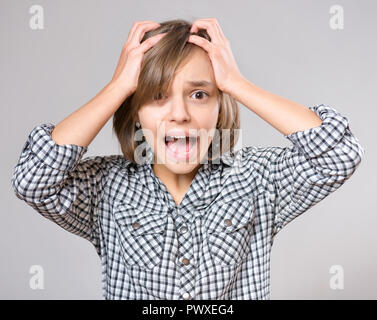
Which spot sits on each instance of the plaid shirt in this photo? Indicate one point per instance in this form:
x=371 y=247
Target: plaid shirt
x=216 y=244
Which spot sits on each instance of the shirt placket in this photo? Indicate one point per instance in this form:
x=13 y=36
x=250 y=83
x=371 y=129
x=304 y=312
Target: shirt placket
x=185 y=260
x=184 y=217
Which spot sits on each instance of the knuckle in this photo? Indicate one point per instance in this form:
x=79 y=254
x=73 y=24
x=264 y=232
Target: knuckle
x=139 y=24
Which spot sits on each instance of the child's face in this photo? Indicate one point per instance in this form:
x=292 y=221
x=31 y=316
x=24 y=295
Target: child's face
x=189 y=108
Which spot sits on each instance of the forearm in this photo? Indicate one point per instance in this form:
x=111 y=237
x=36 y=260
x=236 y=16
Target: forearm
x=82 y=126
x=284 y=115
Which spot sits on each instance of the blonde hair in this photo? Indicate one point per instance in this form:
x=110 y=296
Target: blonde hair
x=157 y=70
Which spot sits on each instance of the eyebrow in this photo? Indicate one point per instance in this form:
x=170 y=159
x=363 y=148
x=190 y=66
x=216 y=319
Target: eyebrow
x=200 y=83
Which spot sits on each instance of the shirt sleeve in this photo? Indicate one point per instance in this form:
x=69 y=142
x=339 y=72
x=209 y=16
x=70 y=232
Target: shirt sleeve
x=55 y=181
x=317 y=163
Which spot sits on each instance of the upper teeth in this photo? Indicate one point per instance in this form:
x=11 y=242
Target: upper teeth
x=178 y=137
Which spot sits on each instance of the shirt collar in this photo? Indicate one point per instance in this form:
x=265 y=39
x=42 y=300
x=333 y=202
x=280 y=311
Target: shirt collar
x=226 y=159
x=207 y=174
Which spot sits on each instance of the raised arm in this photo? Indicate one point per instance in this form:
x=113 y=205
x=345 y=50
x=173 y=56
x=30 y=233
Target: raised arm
x=51 y=176
x=323 y=155
x=324 y=152
x=284 y=115
x=82 y=126
x=318 y=162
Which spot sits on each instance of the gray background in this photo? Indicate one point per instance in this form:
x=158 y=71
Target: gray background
x=286 y=47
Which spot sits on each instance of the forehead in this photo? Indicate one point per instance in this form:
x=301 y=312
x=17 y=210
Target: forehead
x=196 y=67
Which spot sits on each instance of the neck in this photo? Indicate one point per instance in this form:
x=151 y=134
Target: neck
x=176 y=183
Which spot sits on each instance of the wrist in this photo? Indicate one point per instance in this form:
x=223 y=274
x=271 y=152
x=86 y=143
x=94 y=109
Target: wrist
x=234 y=84
x=119 y=88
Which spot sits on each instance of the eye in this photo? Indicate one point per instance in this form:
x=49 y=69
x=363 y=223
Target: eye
x=200 y=93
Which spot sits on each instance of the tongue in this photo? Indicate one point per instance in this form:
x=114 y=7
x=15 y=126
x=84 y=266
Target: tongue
x=179 y=146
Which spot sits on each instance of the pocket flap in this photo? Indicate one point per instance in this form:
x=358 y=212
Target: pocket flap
x=140 y=222
x=231 y=216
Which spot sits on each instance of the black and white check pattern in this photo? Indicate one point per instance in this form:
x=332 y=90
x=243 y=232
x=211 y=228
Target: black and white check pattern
x=224 y=227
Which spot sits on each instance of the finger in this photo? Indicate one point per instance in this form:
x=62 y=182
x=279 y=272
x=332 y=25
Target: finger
x=218 y=28
x=143 y=29
x=194 y=28
x=140 y=30
x=212 y=30
x=137 y=24
x=134 y=26
x=201 y=42
x=215 y=25
x=214 y=22
x=150 y=42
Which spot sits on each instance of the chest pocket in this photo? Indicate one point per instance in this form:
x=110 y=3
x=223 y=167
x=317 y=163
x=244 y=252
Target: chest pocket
x=140 y=235
x=229 y=230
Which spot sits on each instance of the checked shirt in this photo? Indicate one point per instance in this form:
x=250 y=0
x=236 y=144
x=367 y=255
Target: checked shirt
x=216 y=244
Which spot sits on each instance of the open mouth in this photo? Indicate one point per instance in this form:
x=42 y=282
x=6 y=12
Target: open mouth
x=181 y=147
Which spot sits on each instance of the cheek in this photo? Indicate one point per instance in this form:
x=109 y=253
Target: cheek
x=149 y=119
x=208 y=119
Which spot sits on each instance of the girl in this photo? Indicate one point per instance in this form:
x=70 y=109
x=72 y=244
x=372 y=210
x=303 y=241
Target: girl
x=172 y=218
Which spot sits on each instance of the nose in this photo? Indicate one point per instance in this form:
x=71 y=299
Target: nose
x=178 y=110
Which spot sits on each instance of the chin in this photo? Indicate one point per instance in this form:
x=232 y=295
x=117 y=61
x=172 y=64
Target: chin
x=182 y=168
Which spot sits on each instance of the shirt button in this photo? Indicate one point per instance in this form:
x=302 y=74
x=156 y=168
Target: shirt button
x=186 y=296
x=228 y=222
x=183 y=229
x=136 y=225
x=185 y=261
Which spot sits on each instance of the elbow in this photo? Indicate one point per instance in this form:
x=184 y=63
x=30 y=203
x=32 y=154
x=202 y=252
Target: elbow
x=353 y=153
x=360 y=155
x=18 y=186
x=342 y=166
x=24 y=187
x=349 y=162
